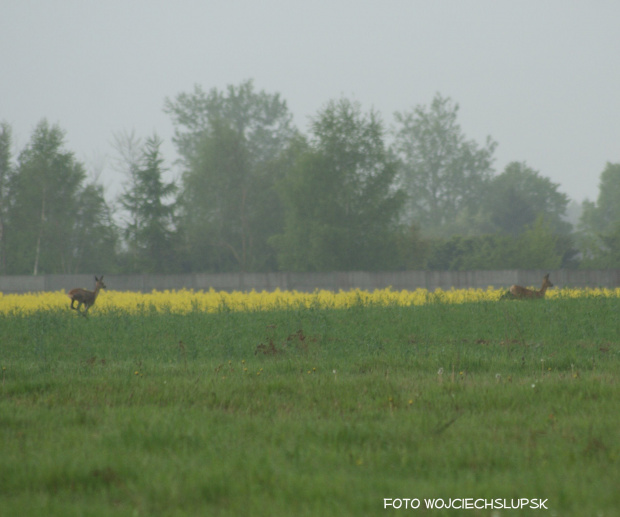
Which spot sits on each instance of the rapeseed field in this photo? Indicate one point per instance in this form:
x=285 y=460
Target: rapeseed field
x=288 y=403
x=185 y=300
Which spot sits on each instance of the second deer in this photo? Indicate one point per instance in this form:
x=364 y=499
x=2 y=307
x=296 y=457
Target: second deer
x=85 y=297
x=516 y=291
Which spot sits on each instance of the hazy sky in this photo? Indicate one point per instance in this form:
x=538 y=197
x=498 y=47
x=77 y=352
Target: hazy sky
x=541 y=77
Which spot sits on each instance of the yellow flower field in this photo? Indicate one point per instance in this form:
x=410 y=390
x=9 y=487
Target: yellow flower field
x=183 y=301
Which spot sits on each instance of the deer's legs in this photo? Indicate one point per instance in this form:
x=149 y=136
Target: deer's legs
x=79 y=306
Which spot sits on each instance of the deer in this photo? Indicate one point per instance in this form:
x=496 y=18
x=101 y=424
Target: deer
x=518 y=292
x=85 y=297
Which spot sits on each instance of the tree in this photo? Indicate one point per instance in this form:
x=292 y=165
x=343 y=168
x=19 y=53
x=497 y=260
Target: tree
x=129 y=155
x=606 y=255
x=95 y=234
x=54 y=223
x=603 y=215
x=261 y=118
x=341 y=205
x=443 y=173
x=599 y=226
x=5 y=174
x=519 y=196
x=230 y=143
x=216 y=192
x=149 y=229
x=43 y=202
x=478 y=252
x=537 y=247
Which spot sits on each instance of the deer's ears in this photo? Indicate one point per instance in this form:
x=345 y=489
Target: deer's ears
x=98 y=279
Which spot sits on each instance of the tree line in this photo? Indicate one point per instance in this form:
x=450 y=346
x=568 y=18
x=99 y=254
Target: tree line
x=257 y=194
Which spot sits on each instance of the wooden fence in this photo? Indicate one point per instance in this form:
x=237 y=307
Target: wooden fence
x=308 y=282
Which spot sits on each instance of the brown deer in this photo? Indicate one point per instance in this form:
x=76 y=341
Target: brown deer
x=516 y=291
x=85 y=297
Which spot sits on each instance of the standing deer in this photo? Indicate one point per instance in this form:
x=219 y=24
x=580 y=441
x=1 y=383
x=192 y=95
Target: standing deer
x=85 y=297
x=516 y=291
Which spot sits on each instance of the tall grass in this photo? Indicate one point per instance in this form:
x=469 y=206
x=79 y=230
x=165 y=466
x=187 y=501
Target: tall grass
x=311 y=411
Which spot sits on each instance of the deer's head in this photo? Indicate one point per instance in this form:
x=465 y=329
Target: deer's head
x=99 y=283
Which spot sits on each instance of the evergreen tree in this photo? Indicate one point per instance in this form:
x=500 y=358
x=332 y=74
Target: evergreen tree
x=149 y=231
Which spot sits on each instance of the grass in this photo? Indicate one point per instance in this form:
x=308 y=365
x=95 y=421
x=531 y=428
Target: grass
x=311 y=411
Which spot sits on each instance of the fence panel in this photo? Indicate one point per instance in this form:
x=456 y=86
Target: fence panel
x=308 y=282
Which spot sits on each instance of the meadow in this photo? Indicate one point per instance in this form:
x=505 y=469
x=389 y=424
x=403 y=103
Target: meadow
x=321 y=404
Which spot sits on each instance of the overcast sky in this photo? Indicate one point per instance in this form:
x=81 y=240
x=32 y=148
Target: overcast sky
x=541 y=77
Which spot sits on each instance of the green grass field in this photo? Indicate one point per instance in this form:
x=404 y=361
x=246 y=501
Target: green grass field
x=312 y=412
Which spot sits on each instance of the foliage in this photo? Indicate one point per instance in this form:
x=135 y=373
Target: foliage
x=470 y=253
x=341 y=205
x=229 y=143
x=6 y=168
x=602 y=250
x=412 y=249
x=256 y=195
x=149 y=232
x=45 y=193
x=94 y=238
x=262 y=119
x=216 y=225
x=599 y=228
x=443 y=173
x=538 y=247
x=600 y=217
x=519 y=196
